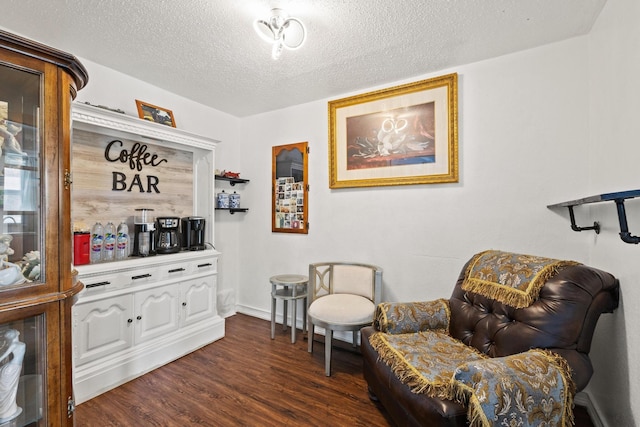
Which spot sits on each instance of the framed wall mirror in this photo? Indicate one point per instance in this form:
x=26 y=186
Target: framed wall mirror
x=290 y=188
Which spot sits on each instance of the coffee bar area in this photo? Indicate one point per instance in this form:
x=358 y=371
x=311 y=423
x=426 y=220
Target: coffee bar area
x=151 y=276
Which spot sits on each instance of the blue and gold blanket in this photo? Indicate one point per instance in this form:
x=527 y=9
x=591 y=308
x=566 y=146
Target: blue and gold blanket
x=526 y=389
x=512 y=279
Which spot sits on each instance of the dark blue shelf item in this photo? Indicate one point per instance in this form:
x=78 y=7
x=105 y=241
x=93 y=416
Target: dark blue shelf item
x=618 y=198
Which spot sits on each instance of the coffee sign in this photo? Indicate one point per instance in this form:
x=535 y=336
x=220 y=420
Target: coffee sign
x=136 y=157
x=114 y=175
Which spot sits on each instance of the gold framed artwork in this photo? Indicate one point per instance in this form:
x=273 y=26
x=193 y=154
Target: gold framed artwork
x=402 y=135
x=156 y=114
x=290 y=195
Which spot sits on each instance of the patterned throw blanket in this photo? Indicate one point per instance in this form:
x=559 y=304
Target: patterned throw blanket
x=512 y=279
x=526 y=389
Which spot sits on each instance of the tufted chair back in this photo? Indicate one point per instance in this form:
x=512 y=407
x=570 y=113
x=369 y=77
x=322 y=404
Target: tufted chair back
x=563 y=318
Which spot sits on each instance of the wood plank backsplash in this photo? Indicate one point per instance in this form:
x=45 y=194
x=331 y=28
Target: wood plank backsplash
x=138 y=175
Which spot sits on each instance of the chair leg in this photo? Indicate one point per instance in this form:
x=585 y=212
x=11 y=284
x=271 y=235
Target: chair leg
x=285 y=304
x=273 y=317
x=310 y=338
x=355 y=339
x=304 y=316
x=294 y=309
x=328 y=336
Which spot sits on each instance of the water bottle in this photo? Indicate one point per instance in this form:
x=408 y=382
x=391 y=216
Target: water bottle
x=109 y=248
x=97 y=239
x=122 y=242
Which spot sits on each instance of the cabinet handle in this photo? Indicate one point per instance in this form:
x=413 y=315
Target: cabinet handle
x=204 y=265
x=129 y=320
x=184 y=304
x=175 y=270
x=139 y=317
x=93 y=285
x=142 y=276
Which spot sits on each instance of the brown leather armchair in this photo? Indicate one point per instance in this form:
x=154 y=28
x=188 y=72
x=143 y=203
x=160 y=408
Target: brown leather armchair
x=562 y=319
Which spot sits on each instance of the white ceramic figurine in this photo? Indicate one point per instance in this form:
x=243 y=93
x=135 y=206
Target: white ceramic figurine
x=11 y=360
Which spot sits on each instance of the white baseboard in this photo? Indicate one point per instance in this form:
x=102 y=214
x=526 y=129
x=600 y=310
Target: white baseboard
x=583 y=399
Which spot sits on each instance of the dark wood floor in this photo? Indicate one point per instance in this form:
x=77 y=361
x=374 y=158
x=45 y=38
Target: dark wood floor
x=246 y=379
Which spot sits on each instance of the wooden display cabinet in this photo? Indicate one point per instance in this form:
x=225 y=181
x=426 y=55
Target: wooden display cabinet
x=37 y=283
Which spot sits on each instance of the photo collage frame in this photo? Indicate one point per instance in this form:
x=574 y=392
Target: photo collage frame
x=289 y=203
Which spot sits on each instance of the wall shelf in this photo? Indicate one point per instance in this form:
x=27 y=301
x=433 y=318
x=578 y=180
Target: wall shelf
x=618 y=198
x=232 y=181
x=233 y=210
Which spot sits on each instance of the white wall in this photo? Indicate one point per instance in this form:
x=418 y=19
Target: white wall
x=524 y=143
x=116 y=90
x=523 y=128
x=614 y=141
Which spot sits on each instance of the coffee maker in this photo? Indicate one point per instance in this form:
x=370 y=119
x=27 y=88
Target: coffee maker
x=193 y=233
x=168 y=235
x=144 y=242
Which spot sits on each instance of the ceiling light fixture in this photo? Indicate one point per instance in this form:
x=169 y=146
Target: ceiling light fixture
x=282 y=31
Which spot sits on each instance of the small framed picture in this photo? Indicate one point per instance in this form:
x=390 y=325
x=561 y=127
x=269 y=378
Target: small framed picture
x=156 y=114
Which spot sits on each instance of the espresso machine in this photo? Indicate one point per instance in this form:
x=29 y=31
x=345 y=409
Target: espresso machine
x=144 y=242
x=193 y=233
x=168 y=235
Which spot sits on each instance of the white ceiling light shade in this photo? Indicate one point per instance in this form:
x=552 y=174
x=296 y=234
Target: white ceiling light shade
x=283 y=31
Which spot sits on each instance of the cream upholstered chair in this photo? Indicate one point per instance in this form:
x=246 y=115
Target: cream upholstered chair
x=342 y=297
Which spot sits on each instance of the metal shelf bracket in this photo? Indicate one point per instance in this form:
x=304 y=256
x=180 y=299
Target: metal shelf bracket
x=618 y=198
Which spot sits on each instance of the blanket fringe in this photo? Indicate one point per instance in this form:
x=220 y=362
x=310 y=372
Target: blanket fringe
x=406 y=373
x=508 y=295
x=475 y=416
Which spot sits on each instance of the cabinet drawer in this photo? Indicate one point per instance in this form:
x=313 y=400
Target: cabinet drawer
x=205 y=265
x=177 y=270
x=94 y=285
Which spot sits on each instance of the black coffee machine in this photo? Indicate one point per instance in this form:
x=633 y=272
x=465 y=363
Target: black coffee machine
x=193 y=233
x=168 y=235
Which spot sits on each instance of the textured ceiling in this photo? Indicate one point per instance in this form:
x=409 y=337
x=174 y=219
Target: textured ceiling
x=207 y=50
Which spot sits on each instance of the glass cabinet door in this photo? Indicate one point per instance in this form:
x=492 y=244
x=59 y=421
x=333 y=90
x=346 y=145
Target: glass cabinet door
x=21 y=237
x=37 y=283
x=23 y=372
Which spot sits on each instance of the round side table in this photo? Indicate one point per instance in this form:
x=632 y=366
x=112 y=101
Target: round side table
x=289 y=288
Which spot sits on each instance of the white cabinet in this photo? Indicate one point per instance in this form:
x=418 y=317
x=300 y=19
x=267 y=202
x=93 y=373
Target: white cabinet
x=101 y=328
x=198 y=299
x=136 y=315
x=156 y=312
x=141 y=313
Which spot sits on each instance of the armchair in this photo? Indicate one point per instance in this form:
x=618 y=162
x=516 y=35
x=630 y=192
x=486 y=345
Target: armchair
x=515 y=334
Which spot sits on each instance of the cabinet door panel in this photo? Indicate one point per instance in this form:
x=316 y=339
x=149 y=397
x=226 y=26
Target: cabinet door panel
x=198 y=299
x=101 y=328
x=156 y=312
